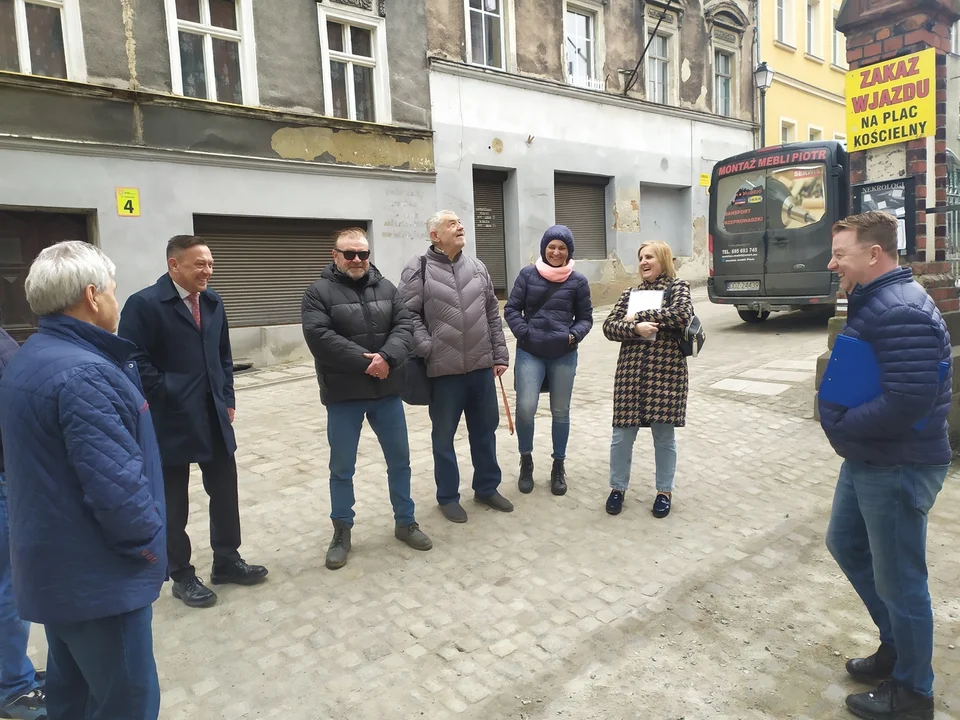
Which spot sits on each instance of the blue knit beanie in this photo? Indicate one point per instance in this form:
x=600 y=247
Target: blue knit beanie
x=557 y=232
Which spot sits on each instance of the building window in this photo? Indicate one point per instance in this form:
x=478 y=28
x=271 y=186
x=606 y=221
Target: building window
x=813 y=28
x=836 y=40
x=42 y=38
x=580 y=43
x=356 y=84
x=814 y=134
x=212 y=50
x=788 y=131
x=782 y=20
x=486 y=33
x=723 y=63
x=658 y=69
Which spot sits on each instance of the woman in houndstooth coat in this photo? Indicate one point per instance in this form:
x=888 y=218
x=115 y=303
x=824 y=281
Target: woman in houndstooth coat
x=650 y=385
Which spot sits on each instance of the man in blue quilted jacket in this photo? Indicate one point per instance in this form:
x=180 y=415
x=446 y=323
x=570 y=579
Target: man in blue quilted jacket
x=85 y=491
x=896 y=454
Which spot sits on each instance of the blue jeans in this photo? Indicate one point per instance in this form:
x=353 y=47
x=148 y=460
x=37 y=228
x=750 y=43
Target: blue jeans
x=529 y=372
x=878 y=536
x=473 y=394
x=103 y=669
x=664 y=454
x=344 y=422
x=17 y=674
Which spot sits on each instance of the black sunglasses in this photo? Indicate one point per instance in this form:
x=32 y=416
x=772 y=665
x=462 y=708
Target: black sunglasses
x=353 y=254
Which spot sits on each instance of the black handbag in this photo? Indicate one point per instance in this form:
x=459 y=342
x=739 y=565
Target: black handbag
x=692 y=336
x=545 y=385
x=416 y=387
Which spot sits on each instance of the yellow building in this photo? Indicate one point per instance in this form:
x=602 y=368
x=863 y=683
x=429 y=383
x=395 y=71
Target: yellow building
x=800 y=43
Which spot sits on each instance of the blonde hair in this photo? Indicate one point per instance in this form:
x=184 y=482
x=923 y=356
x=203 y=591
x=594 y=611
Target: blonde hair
x=663 y=254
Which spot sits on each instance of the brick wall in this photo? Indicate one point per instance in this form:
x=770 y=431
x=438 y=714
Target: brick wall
x=895 y=33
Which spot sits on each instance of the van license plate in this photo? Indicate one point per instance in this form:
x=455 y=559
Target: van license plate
x=744 y=286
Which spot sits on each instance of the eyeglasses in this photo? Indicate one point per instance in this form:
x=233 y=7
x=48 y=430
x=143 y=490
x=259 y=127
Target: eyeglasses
x=353 y=254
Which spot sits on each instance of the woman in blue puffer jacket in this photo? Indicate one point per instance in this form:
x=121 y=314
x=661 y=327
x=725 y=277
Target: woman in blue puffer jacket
x=549 y=312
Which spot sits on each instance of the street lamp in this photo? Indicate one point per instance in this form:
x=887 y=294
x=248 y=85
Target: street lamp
x=763 y=77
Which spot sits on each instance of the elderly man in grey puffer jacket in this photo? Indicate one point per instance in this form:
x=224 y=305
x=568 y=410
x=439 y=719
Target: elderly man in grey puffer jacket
x=458 y=331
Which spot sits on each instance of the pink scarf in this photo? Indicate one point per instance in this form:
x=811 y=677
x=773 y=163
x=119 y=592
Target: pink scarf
x=554 y=274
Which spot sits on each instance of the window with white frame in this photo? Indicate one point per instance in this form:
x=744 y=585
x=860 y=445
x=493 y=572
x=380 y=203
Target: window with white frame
x=836 y=42
x=658 y=69
x=212 y=50
x=580 y=45
x=781 y=20
x=788 y=131
x=356 y=81
x=42 y=37
x=486 y=33
x=723 y=82
x=814 y=134
x=813 y=28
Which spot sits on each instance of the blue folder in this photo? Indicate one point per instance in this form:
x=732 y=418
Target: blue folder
x=852 y=377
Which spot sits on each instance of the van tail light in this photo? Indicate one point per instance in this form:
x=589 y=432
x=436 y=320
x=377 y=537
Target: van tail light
x=710 y=254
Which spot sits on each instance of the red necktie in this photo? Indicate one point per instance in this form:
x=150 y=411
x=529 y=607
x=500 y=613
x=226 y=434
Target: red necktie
x=195 y=307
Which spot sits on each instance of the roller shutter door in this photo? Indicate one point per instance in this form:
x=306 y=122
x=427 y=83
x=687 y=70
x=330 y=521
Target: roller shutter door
x=264 y=265
x=580 y=204
x=488 y=225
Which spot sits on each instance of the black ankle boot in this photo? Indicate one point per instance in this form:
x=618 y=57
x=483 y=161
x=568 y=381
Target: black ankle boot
x=891 y=701
x=558 y=478
x=875 y=668
x=525 y=483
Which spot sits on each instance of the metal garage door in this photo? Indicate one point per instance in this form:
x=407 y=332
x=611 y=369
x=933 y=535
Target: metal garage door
x=488 y=225
x=580 y=204
x=264 y=265
x=22 y=236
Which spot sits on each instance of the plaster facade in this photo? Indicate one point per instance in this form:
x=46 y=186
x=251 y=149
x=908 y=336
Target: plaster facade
x=534 y=116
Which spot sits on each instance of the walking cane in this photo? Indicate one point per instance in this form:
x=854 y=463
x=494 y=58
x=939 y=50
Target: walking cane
x=506 y=405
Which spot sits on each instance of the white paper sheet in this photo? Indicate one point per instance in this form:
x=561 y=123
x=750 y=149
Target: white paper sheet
x=641 y=300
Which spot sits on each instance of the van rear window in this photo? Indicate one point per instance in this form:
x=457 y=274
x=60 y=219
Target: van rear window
x=776 y=199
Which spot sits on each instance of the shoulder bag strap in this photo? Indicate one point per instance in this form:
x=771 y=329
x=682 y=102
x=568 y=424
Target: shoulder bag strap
x=546 y=297
x=423 y=290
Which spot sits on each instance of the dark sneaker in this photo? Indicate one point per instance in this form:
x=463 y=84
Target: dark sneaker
x=413 y=536
x=496 y=501
x=558 y=479
x=239 y=573
x=525 y=483
x=890 y=701
x=194 y=593
x=615 y=502
x=31 y=706
x=339 y=546
x=454 y=512
x=661 y=505
x=873 y=669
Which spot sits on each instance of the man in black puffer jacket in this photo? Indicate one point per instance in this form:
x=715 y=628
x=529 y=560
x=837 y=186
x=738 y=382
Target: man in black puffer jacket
x=360 y=333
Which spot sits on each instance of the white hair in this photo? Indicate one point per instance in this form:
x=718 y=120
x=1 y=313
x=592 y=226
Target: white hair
x=436 y=220
x=62 y=273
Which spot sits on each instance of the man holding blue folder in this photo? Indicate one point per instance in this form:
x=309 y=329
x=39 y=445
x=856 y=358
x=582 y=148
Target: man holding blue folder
x=883 y=406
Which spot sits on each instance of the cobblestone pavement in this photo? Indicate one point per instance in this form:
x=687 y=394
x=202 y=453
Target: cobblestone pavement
x=729 y=608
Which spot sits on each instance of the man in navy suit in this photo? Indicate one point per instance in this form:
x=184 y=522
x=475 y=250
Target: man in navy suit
x=180 y=329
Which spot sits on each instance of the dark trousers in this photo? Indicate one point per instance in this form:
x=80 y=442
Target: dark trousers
x=473 y=394
x=220 y=483
x=103 y=669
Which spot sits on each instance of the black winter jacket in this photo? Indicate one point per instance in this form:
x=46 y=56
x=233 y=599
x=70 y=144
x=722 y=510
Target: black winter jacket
x=345 y=318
